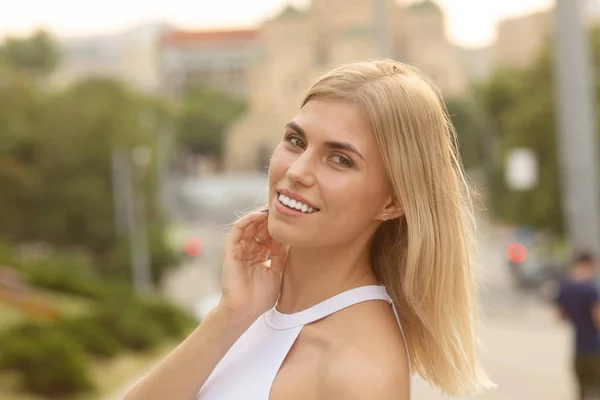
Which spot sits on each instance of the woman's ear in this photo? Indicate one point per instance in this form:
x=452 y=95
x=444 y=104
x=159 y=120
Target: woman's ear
x=391 y=210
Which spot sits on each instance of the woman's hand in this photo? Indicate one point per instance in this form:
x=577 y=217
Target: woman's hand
x=251 y=284
x=250 y=287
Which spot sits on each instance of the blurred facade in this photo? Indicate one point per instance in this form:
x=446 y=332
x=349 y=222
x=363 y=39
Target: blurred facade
x=478 y=62
x=520 y=39
x=129 y=56
x=271 y=66
x=298 y=45
x=220 y=59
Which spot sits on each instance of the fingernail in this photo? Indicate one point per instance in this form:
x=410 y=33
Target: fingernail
x=265 y=211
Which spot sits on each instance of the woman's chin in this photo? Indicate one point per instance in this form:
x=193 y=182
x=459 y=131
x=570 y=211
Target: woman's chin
x=288 y=235
x=278 y=232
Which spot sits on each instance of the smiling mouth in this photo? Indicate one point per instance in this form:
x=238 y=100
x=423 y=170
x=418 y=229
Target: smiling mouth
x=296 y=205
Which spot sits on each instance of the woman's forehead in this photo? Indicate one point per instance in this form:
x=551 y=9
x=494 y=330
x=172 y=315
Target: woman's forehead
x=334 y=119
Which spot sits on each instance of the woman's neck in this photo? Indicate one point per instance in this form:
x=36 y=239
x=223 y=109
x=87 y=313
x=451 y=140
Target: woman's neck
x=316 y=274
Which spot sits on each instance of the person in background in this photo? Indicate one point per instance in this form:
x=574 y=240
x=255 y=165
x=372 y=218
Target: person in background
x=577 y=301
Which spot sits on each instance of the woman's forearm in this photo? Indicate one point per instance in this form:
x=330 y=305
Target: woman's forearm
x=183 y=372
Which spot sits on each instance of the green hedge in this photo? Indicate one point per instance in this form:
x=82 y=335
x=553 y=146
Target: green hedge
x=65 y=280
x=170 y=320
x=53 y=358
x=130 y=324
x=93 y=337
x=174 y=322
x=49 y=363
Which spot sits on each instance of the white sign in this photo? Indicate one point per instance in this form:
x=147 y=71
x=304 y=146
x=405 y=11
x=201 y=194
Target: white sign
x=521 y=169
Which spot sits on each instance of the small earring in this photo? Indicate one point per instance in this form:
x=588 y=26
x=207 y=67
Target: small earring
x=384 y=217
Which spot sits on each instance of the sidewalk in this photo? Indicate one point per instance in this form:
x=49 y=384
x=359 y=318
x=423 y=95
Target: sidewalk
x=527 y=355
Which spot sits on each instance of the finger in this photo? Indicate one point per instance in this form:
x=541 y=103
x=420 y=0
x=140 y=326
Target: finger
x=255 y=231
x=262 y=232
x=249 y=248
x=278 y=257
x=240 y=226
x=260 y=242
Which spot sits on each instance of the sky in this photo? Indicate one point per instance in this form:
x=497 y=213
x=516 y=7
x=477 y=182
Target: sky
x=470 y=23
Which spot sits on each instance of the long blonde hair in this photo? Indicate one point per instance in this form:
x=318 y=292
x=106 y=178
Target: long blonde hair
x=422 y=258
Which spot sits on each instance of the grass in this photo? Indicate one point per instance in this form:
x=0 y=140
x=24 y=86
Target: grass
x=113 y=375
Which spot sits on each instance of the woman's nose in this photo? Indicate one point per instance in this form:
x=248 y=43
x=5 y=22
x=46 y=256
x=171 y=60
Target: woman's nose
x=301 y=171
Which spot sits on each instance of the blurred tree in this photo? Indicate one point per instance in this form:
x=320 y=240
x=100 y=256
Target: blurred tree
x=22 y=61
x=75 y=137
x=37 y=55
x=55 y=165
x=203 y=118
x=530 y=123
x=20 y=108
x=520 y=106
x=469 y=126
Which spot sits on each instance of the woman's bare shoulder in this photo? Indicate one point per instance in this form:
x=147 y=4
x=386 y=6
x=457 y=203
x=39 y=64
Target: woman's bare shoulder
x=367 y=357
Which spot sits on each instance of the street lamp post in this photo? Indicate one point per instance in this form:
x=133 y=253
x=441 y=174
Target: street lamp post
x=576 y=126
x=138 y=236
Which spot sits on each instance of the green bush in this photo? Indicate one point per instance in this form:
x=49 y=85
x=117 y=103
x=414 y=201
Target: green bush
x=29 y=329
x=173 y=321
x=66 y=280
x=13 y=355
x=73 y=273
x=6 y=254
x=130 y=326
x=91 y=336
x=49 y=363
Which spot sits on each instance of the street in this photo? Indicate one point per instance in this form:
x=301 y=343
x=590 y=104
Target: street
x=526 y=353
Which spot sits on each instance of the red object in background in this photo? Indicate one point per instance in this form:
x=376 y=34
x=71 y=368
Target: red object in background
x=193 y=246
x=516 y=252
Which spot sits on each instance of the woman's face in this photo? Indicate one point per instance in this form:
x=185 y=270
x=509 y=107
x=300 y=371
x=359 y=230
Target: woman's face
x=329 y=161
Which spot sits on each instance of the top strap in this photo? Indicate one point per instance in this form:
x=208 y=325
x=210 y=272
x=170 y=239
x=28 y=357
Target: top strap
x=280 y=321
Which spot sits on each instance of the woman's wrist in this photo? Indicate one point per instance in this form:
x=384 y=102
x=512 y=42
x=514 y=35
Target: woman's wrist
x=234 y=318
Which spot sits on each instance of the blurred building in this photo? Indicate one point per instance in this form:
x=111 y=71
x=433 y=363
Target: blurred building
x=220 y=59
x=478 y=62
x=129 y=56
x=520 y=39
x=298 y=45
x=418 y=37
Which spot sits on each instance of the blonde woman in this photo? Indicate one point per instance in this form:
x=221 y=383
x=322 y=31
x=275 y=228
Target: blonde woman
x=369 y=277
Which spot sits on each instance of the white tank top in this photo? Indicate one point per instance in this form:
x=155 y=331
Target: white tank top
x=248 y=369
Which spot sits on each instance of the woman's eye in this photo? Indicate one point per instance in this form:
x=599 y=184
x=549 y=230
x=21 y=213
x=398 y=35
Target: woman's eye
x=343 y=161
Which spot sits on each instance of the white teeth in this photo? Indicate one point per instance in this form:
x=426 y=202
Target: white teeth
x=291 y=203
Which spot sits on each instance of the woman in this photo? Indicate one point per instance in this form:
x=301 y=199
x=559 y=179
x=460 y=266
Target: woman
x=368 y=208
